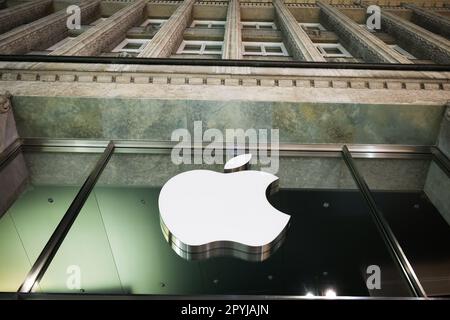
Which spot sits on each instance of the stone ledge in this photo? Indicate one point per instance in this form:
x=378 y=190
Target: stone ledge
x=182 y=79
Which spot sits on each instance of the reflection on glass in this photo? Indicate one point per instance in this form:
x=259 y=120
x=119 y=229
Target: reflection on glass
x=414 y=197
x=36 y=190
x=118 y=246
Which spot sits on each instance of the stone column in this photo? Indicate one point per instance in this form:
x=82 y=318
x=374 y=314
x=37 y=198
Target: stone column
x=444 y=135
x=297 y=41
x=357 y=39
x=169 y=37
x=232 y=42
x=23 y=13
x=43 y=33
x=419 y=41
x=105 y=34
x=433 y=21
x=8 y=131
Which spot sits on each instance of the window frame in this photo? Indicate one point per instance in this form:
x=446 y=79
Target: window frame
x=209 y=23
x=258 y=24
x=120 y=47
x=322 y=46
x=263 y=51
x=202 y=50
x=148 y=21
x=308 y=24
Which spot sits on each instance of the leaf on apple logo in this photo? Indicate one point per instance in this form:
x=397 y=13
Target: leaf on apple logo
x=238 y=163
x=206 y=214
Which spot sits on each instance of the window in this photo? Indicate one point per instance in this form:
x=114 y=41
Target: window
x=264 y=49
x=60 y=43
x=155 y=23
x=131 y=45
x=333 y=50
x=200 y=47
x=402 y=51
x=259 y=25
x=315 y=27
x=208 y=24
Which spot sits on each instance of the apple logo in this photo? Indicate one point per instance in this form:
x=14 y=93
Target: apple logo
x=206 y=214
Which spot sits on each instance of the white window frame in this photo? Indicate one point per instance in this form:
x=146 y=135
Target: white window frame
x=258 y=24
x=60 y=43
x=322 y=46
x=313 y=25
x=208 y=22
x=202 y=49
x=122 y=45
x=148 y=21
x=263 y=46
x=367 y=28
x=402 y=51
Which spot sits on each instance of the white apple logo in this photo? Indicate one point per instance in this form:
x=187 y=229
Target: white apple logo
x=205 y=213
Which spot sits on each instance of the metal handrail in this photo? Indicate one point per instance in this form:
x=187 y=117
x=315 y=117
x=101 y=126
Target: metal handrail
x=385 y=229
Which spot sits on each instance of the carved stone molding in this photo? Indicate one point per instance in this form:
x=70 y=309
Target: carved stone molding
x=171 y=33
x=23 y=13
x=5 y=102
x=338 y=82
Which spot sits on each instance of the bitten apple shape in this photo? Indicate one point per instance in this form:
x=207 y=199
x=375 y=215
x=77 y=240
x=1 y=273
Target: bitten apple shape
x=205 y=213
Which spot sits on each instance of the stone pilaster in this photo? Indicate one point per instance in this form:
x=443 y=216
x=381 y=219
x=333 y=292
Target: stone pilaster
x=169 y=37
x=297 y=41
x=23 y=13
x=104 y=35
x=419 y=41
x=43 y=33
x=430 y=20
x=232 y=42
x=357 y=39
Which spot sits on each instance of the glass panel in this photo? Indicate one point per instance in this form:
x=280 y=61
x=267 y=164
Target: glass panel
x=330 y=243
x=37 y=188
x=414 y=197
